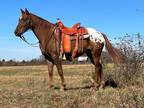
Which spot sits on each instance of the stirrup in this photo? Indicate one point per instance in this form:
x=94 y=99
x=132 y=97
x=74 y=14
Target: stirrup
x=63 y=57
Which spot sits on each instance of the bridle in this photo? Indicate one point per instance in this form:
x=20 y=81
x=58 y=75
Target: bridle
x=24 y=39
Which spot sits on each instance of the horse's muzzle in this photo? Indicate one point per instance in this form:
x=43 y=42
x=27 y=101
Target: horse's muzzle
x=17 y=34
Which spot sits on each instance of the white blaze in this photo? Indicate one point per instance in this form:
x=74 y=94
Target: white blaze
x=20 y=17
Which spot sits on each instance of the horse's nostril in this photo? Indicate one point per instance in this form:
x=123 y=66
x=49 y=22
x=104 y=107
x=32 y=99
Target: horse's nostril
x=15 y=32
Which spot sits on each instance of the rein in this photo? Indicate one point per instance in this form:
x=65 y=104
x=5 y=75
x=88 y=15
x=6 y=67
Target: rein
x=51 y=32
x=30 y=44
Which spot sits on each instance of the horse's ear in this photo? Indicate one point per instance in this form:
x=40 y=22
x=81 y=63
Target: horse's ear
x=27 y=12
x=22 y=11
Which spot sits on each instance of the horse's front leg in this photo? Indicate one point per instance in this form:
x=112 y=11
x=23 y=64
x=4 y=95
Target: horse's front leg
x=60 y=72
x=50 y=73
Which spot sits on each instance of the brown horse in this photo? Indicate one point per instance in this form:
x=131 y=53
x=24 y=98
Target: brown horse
x=49 y=36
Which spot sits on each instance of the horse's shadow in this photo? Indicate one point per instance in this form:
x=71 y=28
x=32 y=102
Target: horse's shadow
x=108 y=83
x=80 y=87
x=77 y=88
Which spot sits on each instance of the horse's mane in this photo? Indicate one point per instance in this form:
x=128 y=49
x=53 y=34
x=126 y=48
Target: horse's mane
x=42 y=21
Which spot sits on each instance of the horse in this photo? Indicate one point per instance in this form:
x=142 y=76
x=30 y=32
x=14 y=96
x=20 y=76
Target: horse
x=49 y=36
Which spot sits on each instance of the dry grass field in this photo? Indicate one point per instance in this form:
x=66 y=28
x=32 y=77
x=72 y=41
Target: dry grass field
x=27 y=87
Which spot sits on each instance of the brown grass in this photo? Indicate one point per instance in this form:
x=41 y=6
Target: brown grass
x=27 y=87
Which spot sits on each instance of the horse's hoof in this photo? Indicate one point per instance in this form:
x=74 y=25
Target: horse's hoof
x=102 y=85
x=96 y=88
x=55 y=93
x=50 y=87
x=63 y=88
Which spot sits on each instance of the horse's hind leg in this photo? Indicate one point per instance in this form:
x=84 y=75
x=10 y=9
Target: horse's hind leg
x=60 y=72
x=96 y=53
x=98 y=77
x=99 y=73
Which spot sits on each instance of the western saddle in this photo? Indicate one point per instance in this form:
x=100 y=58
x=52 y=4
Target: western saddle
x=76 y=31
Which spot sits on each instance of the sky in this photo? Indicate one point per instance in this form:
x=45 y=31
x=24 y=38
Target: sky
x=113 y=17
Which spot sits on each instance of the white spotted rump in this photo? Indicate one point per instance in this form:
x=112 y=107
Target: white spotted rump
x=95 y=36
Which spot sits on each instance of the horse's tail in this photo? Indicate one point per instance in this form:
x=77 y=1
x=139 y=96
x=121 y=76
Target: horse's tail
x=114 y=53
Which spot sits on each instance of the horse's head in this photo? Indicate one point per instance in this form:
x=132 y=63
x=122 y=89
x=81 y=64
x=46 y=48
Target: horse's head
x=24 y=23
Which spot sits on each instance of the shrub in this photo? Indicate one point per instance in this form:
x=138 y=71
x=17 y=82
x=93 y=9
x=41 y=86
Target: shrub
x=132 y=70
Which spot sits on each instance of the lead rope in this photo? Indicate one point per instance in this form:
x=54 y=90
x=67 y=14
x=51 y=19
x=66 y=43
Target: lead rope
x=30 y=44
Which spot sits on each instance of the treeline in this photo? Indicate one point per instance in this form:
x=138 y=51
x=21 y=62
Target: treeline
x=36 y=61
x=21 y=63
x=41 y=61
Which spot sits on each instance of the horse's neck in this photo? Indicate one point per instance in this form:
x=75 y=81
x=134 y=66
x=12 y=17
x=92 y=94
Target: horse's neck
x=40 y=28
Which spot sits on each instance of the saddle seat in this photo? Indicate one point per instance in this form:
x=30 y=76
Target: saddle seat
x=76 y=29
